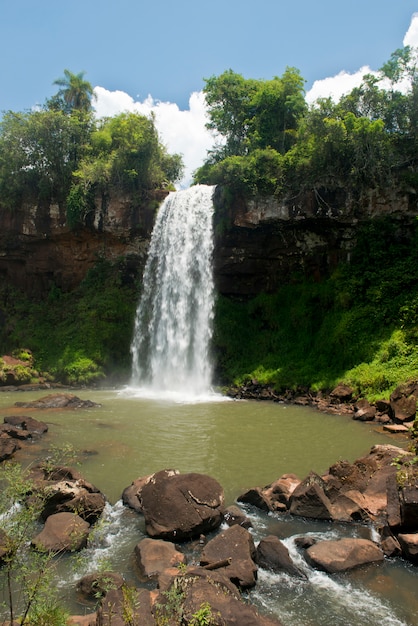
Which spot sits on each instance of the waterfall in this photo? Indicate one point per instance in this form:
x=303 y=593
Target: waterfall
x=173 y=324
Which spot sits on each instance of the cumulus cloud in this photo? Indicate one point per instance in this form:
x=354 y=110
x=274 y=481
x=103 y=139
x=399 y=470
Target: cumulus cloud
x=182 y=132
x=411 y=37
x=336 y=86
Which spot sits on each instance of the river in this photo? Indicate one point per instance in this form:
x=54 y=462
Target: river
x=242 y=444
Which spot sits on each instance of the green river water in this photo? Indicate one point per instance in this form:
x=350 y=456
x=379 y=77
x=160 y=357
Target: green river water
x=242 y=444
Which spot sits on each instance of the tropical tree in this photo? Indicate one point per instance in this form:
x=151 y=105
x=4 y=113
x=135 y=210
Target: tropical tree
x=75 y=93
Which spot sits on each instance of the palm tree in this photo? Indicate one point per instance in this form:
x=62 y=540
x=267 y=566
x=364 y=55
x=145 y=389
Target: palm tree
x=75 y=92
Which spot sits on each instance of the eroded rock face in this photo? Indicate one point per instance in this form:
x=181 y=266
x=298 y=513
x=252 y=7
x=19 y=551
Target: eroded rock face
x=181 y=506
x=343 y=554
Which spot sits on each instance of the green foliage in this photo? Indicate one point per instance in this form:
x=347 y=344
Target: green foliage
x=367 y=140
x=360 y=325
x=28 y=574
x=203 y=616
x=77 y=336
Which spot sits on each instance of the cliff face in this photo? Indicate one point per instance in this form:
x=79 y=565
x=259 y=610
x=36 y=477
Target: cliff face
x=38 y=250
x=259 y=243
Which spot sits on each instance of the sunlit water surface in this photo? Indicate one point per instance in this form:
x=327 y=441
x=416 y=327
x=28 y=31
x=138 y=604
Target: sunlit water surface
x=241 y=444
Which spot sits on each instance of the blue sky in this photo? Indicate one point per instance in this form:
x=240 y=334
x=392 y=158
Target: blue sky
x=165 y=48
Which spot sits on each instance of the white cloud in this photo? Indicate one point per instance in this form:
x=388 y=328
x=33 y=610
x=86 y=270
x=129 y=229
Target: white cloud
x=411 y=37
x=182 y=132
x=336 y=86
x=341 y=84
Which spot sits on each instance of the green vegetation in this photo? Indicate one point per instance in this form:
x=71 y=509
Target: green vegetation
x=81 y=336
x=28 y=574
x=271 y=142
x=360 y=325
x=62 y=154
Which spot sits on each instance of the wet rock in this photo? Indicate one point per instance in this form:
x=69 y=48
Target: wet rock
x=65 y=490
x=234 y=515
x=273 y=555
x=181 y=506
x=343 y=554
x=131 y=495
x=255 y=497
x=58 y=401
x=408 y=497
x=226 y=608
x=153 y=556
x=234 y=550
x=63 y=532
x=8 y=447
x=27 y=423
x=364 y=411
x=126 y=605
x=98 y=584
x=309 y=499
x=409 y=545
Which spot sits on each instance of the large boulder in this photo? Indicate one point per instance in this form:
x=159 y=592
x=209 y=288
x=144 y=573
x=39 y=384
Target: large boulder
x=343 y=554
x=273 y=555
x=97 y=584
x=63 y=532
x=153 y=556
x=210 y=595
x=232 y=552
x=131 y=495
x=181 y=506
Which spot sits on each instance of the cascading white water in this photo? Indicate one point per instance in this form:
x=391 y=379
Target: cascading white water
x=173 y=324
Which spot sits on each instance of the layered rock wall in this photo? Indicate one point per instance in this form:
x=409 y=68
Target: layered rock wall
x=264 y=242
x=259 y=243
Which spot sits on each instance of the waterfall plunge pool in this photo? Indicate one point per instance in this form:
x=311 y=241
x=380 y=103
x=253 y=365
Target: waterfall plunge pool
x=241 y=444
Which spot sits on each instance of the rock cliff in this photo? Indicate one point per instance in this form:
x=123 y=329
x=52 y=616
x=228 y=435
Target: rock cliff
x=263 y=242
x=259 y=243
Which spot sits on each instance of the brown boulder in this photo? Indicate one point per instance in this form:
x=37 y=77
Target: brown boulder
x=126 y=605
x=409 y=545
x=181 y=506
x=342 y=392
x=273 y=555
x=309 y=499
x=153 y=556
x=98 y=584
x=234 y=547
x=234 y=515
x=131 y=495
x=63 y=532
x=343 y=554
x=58 y=401
x=27 y=423
x=364 y=411
x=403 y=402
x=8 y=447
x=209 y=594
